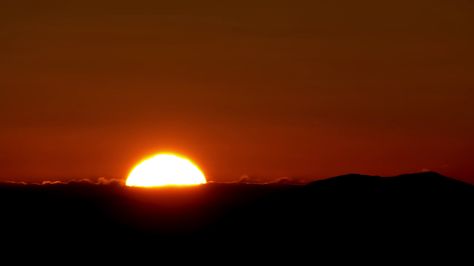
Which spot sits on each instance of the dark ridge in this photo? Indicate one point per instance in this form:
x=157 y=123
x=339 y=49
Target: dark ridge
x=426 y=178
x=424 y=208
x=352 y=181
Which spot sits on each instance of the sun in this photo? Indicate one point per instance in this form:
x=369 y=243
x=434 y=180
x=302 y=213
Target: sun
x=165 y=169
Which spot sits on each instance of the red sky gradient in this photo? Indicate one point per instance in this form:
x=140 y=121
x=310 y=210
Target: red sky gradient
x=260 y=88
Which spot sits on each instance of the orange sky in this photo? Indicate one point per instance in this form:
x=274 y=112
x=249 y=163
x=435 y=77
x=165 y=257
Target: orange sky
x=260 y=88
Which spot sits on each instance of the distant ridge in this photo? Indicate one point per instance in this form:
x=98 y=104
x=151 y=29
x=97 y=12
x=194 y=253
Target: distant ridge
x=351 y=179
x=426 y=208
x=413 y=179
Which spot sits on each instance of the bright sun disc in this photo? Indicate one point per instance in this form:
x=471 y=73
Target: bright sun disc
x=165 y=170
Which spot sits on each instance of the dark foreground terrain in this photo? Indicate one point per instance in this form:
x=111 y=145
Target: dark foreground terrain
x=354 y=210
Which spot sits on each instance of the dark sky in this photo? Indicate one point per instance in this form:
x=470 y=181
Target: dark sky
x=262 y=88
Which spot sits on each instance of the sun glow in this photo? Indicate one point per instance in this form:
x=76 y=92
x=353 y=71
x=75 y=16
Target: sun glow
x=165 y=170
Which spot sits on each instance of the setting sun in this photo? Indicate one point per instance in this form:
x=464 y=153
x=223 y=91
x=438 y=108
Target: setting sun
x=165 y=170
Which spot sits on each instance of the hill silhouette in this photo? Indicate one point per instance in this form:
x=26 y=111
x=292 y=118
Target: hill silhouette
x=413 y=208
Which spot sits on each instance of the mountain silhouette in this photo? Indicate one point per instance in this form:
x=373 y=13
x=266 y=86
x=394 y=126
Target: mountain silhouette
x=415 y=208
